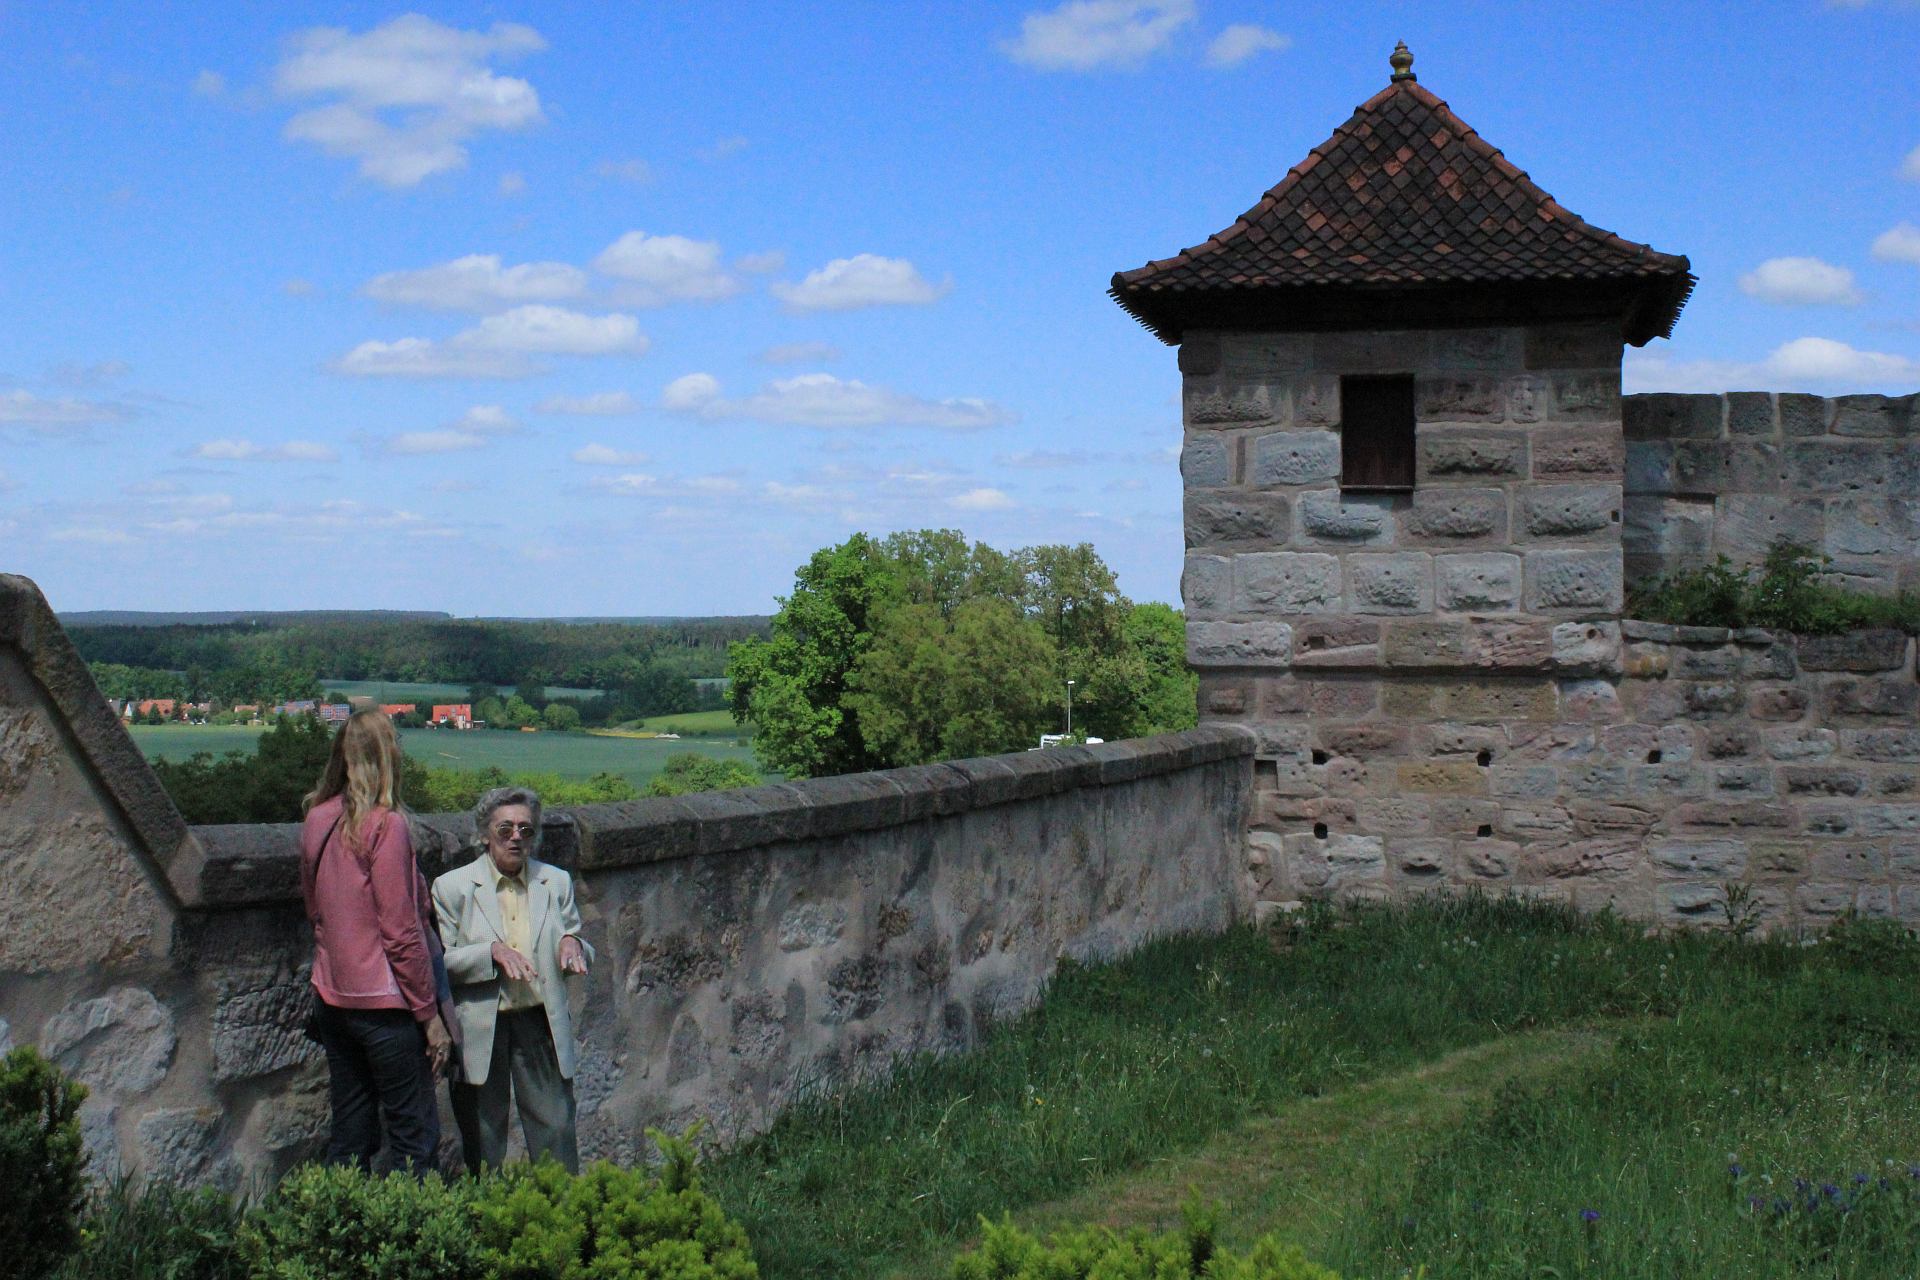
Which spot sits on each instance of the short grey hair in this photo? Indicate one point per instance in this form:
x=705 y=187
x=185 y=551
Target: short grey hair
x=500 y=798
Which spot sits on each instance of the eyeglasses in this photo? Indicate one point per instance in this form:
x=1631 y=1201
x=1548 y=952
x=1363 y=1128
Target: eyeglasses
x=507 y=830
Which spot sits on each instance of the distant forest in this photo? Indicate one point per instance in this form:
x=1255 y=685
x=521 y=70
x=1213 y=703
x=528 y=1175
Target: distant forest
x=644 y=669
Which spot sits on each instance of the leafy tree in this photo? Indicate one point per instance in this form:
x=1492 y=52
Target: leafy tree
x=1169 y=701
x=491 y=711
x=792 y=686
x=561 y=716
x=519 y=713
x=264 y=787
x=532 y=689
x=933 y=688
x=689 y=771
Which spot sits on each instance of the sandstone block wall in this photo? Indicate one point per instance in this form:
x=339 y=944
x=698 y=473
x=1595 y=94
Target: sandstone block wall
x=1711 y=770
x=1516 y=512
x=750 y=942
x=1730 y=474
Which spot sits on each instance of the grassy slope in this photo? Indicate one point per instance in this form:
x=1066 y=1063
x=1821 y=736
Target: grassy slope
x=1131 y=1080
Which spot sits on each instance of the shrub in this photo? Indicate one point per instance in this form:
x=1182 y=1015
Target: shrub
x=41 y=1164
x=337 y=1223
x=537 y=1223
x=1787 y=592
x=158 y=1233
x=1095 y=1253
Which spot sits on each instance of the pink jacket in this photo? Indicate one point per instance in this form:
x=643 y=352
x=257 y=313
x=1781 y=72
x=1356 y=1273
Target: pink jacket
x=370 y=914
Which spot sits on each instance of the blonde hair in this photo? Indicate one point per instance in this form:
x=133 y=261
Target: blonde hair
x=365 y=767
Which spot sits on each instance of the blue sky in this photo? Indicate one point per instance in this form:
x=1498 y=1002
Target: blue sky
x=624 y=309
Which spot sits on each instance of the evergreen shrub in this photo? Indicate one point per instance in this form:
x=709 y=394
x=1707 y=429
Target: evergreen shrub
x=1096 y=1253
x=336 y=1223
x=42 y=1164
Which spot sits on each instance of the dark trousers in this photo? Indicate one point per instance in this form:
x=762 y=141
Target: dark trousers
x=378 y=1077
x=525 y=1062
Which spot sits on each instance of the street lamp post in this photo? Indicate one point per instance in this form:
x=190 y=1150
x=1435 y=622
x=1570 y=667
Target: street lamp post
x=1069 y=708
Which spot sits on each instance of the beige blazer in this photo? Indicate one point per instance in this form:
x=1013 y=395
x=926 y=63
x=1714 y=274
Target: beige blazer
x=468 y=908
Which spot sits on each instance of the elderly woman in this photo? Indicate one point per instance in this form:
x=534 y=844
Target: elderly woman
x=512 y=932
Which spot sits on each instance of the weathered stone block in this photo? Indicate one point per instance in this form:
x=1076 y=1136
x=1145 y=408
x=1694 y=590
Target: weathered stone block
x=1255 y=355
x=1895 y=696
x=1450 y=398
x=1574 y=345
x=1746 y=525
x=1465 y=815
x=118 y=1044
x=1394 y=815
x=1801 y=745
x=1571 y=453
x=1457 y=515
x=1206 y=586
x=1239 y=644
x=1669 y=416
x=1750 y=415
x=1488 y=859
x=1425 y=644
x=1336 y=641
x=1888 y=746
x=1200 y=353
x=1876 y=650
x=1873 y=527
x=1677 y=531
x=1872 y=416
x=1498 y=700
x=1778 y=703
x=1649 y=466
x=1211 y=404
x=1345 y=699
x=1590 y=701
x=1573 y=581
x=1713 y=467
x=1421 y=858
x=1396 y=582
x=1739 y=779
x=1838 y=466
x=1286 y=582
x=1477 y=581
x=1365 y=740
x=1464 y=349
x=1206 y=461
x=179 y=1146
x=1586 y=647
x=1371 y=350
x=1691 y=904
x=1802 y=414
x=1508 y=646
x=1225 y=516
x=1822 y=780
x=1443 y=454
x=1569 y=510
x=1591 y=396
x=1294 y=458
x=1329 y=516
x=1603 y=859
x=1442 y=777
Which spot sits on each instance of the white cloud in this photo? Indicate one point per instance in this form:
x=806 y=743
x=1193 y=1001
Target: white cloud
x=1244 y=40
x=209 y=84
x=657 y=270
x=402 y=99
x=600 y=455
x=1800 y=282
x=1910 y=167
x=1898 y=244
x=424 y=358
x=27 y=409
x=633 y=482
x=604 y=404
x=478 y=282
x=1805 y=362
x=297 y=288
x=512 y=184
x=471 y=430
x=233 y=450
x=1086 y=34
x=864 y=280
x=722 y=148
x=635 y=171
x=822 y=400
x=800 y=353
x=99 y=373
x=499 y=346
x=981 y=500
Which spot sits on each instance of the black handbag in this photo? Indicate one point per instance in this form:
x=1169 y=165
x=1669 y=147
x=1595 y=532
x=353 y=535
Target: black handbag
x=310 y=1026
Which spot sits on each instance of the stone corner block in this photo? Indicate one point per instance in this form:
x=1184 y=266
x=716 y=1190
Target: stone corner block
x=1239 y=644
x=1574 y=581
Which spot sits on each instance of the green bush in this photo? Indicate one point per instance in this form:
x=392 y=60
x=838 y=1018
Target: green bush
x=1095 y=1253
x=336 y=1223
x=41 y=1164
x=1787 y=593
x=537 y=1223
x=159 y=1232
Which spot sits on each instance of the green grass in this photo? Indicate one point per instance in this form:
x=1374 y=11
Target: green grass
x=694 y=724
x=571 y=755
x=1443 y=1086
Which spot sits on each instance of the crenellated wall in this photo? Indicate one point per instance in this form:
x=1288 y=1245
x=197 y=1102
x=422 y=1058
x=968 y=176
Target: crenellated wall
x=1711 y=475
x=750 y=942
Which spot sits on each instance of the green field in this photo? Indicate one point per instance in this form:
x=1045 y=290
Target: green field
x=571 y=755
x=694 y=724
x=416 y=691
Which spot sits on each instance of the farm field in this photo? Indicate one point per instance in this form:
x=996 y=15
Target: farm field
x=417 y=691
x=691 y=724
x=571 y=755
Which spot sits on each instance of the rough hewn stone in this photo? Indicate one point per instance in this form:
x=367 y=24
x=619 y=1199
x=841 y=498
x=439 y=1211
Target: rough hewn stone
x=1286 y=583
x=1294 y=458
x=1395 y=582
x=118 y=1044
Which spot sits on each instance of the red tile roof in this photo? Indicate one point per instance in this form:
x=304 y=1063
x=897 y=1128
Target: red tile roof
x=1404 y=198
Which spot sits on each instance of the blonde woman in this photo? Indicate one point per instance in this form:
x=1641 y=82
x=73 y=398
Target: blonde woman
x=373 y=964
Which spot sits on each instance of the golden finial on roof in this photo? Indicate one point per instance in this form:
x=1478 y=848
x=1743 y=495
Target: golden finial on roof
x=1402 y=63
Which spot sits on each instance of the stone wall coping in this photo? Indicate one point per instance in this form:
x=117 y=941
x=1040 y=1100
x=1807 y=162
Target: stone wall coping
x=28 y=626
x=1866 y=650
x=252 y=865
x=1672 y=633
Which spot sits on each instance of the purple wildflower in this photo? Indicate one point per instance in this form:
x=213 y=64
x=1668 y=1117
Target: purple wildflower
x=1589 y=1215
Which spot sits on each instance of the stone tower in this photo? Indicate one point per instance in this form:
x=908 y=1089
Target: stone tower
x=1403 y=471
